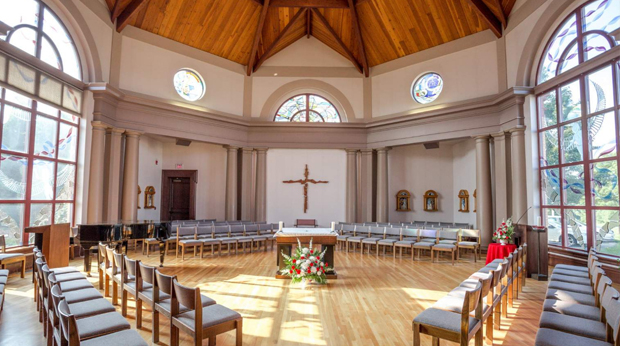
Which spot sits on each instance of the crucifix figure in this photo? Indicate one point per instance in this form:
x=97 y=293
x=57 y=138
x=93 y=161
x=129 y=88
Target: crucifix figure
x=305 y=182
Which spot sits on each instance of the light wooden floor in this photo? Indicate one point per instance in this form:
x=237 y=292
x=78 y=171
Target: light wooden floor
x=372 y=303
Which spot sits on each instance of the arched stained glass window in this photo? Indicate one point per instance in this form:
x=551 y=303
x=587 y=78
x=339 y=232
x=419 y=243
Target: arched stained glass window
x=585 y=34
x=427 y=88
x=578 y=139
x=308 y=108
x=32 y=27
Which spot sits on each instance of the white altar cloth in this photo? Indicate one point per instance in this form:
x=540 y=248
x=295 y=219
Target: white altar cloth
x=288 y=232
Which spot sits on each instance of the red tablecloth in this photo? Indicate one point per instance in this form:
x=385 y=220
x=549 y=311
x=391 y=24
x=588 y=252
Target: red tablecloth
x=496 y=251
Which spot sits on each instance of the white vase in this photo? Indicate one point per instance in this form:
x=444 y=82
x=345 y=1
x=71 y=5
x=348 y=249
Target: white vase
x=503 y=241
x=303 y=284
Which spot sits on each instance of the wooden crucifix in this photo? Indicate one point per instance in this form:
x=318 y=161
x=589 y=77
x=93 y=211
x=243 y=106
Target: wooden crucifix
x=305 y=182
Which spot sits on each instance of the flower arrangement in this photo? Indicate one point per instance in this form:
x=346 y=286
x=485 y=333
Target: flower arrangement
x=504 y=232
x=305 y=265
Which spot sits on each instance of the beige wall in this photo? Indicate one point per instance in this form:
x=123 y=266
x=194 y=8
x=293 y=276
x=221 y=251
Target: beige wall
x=308 y=52
x=150 y=166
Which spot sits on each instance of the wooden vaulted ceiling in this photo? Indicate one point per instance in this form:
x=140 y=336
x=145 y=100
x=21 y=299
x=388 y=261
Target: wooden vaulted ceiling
x=367 y=32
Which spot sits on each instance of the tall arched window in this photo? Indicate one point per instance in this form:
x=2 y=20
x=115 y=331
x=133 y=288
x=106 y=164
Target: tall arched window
x=39 y=140
x=307 y=108
x=32 y=27
x=578 y=110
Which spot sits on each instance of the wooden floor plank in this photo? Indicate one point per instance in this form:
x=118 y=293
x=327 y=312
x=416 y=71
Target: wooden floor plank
x=371 y=303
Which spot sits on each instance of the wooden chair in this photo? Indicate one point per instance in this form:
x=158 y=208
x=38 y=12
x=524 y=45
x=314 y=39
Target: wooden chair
x=409 y=236
x=238 y=232
x=201 y=323
x=452 y=326
x=468 y=244
x=392 y=235
x=305 y=223
x=374 y=236
x=223 y=233
x=187 y=238
x=446 y=242
x=131 y=284
x=361 y=232
x=113 y=273
x=10 y=258
x=348 y=230
x=252 y=230
x=268 y=230
x=426 y=240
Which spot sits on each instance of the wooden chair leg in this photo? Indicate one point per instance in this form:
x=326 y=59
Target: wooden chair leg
x=504 y=305
x=100 y=279
x=138 y=313
x=174 y=335
x=416 y=335
x=497 y=316
x=239 y=338
x=155 y=326
x=182 y=253
x=106 y=289
x=114 y=293
x=489 y=329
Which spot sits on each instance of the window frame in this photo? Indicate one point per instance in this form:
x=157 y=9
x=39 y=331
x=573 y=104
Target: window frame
x=27 y=201
x=584 y=68
x=307 y=110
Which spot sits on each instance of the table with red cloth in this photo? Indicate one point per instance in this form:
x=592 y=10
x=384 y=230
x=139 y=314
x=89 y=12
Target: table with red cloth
x=496 y=251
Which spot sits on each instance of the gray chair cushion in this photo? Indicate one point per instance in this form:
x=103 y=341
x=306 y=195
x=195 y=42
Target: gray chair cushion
x=165 y=304
x=69 y=277
x=342 y=237
x=571 y=267
x=445 y=246
x=64 y=270
x=428 y=240
x=423 y=245
x=404 y=243
x=211 y=241
x=148 y=292
x=3 y=279
x=570 y=279
x=454 y=303
x=194 y=242
x=387 y=241
x=228 y=240
x=571 y=297
x=82 y=295
x=4 y=272
x=211 y=315
x=91 y=308
x=145 y=285
x=584 y=289
x=443 y=320
x=74 y=285
x=355 y=239
x=572 y=309
x=446 y=241
x=414 y=239
x=468 y=243
x=573 y=325
x=550 y=337
x=4 y=256
x=370 y=240
x=244 y=239
x=89 y=327
x=571 y=273
x=122 y=338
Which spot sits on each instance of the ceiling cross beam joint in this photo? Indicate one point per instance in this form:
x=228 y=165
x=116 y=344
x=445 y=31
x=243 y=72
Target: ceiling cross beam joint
x=487 y=15
x=123 y=18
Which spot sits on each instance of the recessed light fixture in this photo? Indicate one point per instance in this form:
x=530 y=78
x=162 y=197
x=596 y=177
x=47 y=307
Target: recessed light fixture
x=275 y=74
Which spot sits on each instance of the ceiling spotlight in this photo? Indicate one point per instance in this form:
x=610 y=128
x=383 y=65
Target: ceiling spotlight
x=275 y=74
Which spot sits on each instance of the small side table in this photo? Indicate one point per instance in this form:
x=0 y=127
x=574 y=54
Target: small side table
x=497 y=250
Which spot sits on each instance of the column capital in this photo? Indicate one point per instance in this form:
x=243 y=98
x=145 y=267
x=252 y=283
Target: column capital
x=247 y=150
x=133 y=133
x=261 y=150
x=98 y=125
x=366 y=151
x=351 y=151
x=231 y=148
x=482 y=138
x=499 y=136
x=383 y=150
x=115 y=131
x=516 y=131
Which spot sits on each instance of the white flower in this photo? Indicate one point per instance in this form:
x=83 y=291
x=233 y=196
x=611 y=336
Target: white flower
x=313 y=270
x=322 y=264
x=304 y=266
x=308 y=262
x=312 y=258
x=305 y=251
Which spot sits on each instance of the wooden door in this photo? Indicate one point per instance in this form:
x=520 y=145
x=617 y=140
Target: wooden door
x=179 y=199
x=178 y=195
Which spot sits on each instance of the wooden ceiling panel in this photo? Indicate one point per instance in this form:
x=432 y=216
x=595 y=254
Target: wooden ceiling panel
x=390 y=29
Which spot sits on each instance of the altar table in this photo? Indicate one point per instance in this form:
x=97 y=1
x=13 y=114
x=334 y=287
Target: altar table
x=496 y=251
x=287 y=238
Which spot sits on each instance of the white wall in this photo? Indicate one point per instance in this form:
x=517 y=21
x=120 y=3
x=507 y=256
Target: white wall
x=210 y=161
x=445 y=170
x=148 y=69
x=326 y=202
x=467 y=74
x=150 y=166
x=308 y=52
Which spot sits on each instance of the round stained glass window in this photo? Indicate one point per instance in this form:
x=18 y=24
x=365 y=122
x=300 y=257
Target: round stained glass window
x=189 y=85
x=427 y=88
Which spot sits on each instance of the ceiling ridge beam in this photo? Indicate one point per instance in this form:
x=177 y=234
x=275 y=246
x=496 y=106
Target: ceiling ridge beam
x=310 y=3
x=281 y=35
x=257 y=36
x=308 y=23
x=128 y=13
x=116 y=11
x=331 y=30
x=487 y=15
x=358 y=34
x=502 y=14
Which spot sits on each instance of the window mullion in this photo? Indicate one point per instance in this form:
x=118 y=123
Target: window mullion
x=590 y=224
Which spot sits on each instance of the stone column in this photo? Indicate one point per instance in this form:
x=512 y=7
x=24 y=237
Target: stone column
x=129 y=210
x=351 y=201
x=261 y=184
x=113 y=180
x=500 y=165
x=366 y=186
x=95 y=183
x=519 y=185
x=246 y=184
x=231 y=183
x=484 y=213
x=382 y=185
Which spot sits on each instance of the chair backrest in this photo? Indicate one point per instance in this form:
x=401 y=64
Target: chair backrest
x=190 y=223
x=369 y=224
x=237 y=229
x=362 y=231
x=119 y=264
x=611 y=306
x=131 y=268
x=68 y=324
x=234 y=223
x=428 y=233
x=186 y=230
x=602 y=286
x=164 y=282
x=147 y=273
x=109 y=253
x=102 y=256
x=377 y=231
x=470 y=233
x=190 y=298
x=392 y=231
x=383 y=224
x=220 y=223
x=348 y=228
x=265 y=227
x=448 y=234
x=253 y=228
x=221 y=229
x=471 y=302
x=204 y=230
x=410 y=232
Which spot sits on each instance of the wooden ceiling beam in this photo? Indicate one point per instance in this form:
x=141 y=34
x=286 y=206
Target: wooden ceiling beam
x=128 y=13
x=502 y=15
x=281 y=35
x=338 y=40
x=358 y=34
x=308 y=23
x=116 y=10
x=487 y=15
x=310 y=3
x=257 y=36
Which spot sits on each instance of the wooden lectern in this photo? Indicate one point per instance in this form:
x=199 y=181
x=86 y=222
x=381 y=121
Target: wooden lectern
x=53 y=241
x=538 y=250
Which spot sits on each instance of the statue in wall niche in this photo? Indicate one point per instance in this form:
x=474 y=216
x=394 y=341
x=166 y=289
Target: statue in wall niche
x=463 y=201
x=403 y=198
x=149 y=198
x=139 y=193
x=430 y=201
